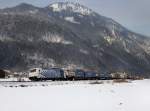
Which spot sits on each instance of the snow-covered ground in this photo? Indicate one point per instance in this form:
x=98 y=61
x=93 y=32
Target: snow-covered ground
x=75 y=96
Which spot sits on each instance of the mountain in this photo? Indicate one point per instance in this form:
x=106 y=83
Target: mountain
x=69 y=35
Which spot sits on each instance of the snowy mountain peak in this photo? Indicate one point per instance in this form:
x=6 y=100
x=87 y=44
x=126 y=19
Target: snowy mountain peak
x=70 y=6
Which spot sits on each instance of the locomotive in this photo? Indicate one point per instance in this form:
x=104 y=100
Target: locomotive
x=46 y=74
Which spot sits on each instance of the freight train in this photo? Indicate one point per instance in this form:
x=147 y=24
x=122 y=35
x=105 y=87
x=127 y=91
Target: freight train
x=60 y=74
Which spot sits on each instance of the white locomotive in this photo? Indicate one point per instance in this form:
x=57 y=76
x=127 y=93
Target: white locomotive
x=46 y=74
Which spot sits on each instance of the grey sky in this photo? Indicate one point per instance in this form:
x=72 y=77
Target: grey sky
x=133 y=14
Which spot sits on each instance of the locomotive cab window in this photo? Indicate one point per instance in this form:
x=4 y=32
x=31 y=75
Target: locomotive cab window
x=33 y=70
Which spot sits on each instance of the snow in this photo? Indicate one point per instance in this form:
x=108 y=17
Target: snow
x=33 y=11
x=92 y=24
x=55 y=7
x=5 y=38
x=113 y=31
x=71 y=19
x=9 y=79
x=77 y=96
x=55 y=38
x=126 y=47
x=39 y=58
x=84 y=51
x=109 y=39
x=96 y=45
x=14 y=79
x=74 y=7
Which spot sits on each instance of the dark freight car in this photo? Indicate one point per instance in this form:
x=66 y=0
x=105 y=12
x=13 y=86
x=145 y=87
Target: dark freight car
x=105 y=77
x=79 y=74
x=90 y=75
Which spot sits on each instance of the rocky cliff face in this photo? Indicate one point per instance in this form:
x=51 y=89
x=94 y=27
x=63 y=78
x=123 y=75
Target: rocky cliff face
x=69 y=35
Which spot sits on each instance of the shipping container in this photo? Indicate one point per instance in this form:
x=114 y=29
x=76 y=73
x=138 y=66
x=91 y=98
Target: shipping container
x=90 y=75
x=79 y=74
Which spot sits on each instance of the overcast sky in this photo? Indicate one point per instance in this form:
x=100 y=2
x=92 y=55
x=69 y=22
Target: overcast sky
x=133 y=14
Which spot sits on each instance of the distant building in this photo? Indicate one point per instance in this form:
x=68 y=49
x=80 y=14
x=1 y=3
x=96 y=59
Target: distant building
x=3 y=73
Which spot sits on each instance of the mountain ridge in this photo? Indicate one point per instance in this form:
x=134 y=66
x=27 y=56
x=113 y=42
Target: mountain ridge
x=42 y=37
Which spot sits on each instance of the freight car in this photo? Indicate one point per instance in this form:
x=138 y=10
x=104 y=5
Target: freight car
x=79 y=74
x=90 y=75
x=84 y=75
x=46 y=74
x=104 y=76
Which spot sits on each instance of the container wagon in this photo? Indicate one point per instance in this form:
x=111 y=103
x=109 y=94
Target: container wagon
x=85 y=75
x=79 y=74
x=90 y=75
x=105 y=77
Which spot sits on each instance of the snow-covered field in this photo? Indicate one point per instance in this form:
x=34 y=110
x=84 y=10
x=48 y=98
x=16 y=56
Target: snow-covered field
x=75 y=96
